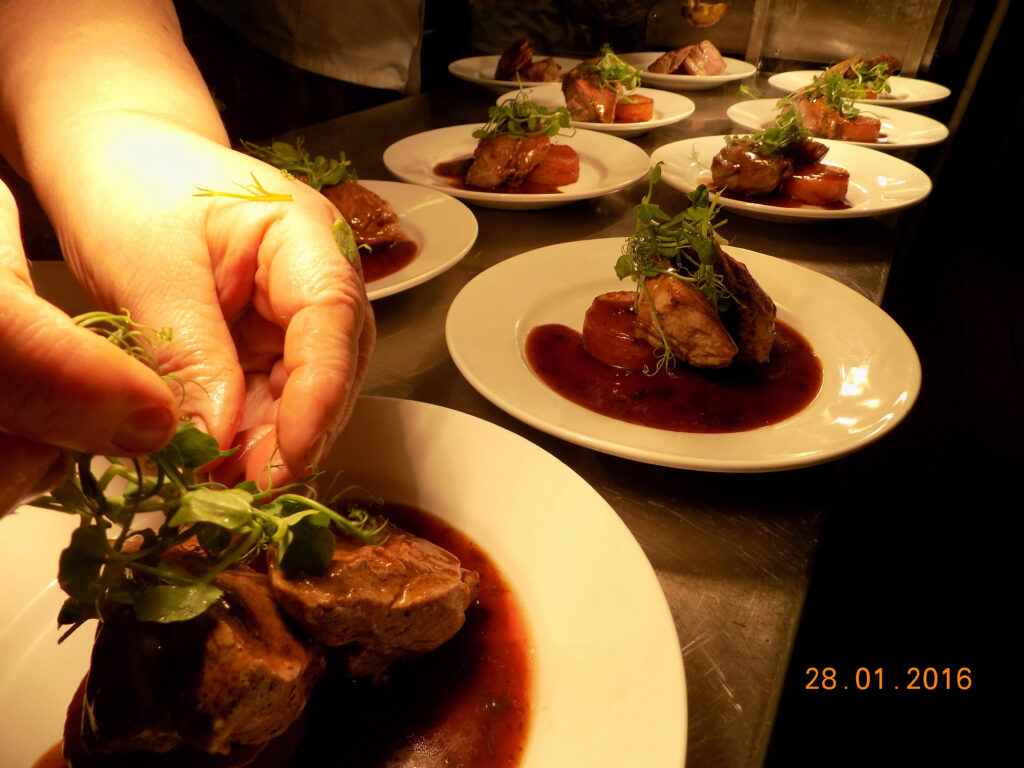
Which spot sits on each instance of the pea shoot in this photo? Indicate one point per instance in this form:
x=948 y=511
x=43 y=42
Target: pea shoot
x=519 y=118
x=134 y=513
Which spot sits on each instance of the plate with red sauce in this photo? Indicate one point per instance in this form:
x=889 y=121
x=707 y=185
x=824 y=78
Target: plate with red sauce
x=669 y=108
x=440 y=231
x=437 y=158
x=505 y=506
x=879 y=182
x=900 y=129
x=869 y=371
x=905 y=92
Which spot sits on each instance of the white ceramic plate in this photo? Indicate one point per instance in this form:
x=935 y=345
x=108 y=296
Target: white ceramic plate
x=669 y=108
x=735 y=69
x=607 y=164
x=443 y=228
x=900 y=129
x=879 y=183
x=904 y=91
x=608 y=672
x=871 y=370
x=480 y=70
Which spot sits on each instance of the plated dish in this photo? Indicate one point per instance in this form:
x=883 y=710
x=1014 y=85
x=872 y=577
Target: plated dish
x=480 y=70
x=669 y=108
x=900 y=129
x=905 y=91
x=735 y=69
x=403 y=449
x=871 y=373
x=443 y=229
x=607 y=164
x=879 y=183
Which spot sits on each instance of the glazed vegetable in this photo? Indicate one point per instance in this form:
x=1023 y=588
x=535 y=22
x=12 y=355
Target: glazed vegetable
x=132 y=513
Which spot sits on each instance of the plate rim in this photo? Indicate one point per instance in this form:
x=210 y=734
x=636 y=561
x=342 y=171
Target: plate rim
x=940 y=91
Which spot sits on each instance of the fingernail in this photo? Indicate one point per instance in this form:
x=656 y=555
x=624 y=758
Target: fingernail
x=145 y=430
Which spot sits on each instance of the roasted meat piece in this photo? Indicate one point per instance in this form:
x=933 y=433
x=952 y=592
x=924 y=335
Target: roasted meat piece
x=500 y=159
x=702 y=58
x=373 y=220
x=751 y=320
x=587 y=99
x=739 y=168
x=517 y=60
x=543 y=71
x=236 y=674
x=692 y=328
x=827 y=123
x=384 y=602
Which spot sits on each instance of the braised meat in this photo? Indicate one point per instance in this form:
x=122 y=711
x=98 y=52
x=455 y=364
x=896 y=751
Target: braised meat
x=373 y=220
x=237 y=674
x=384 y=602
x=517 y=60
x=587 y=99
x=702 y=58
x=500 y=159
x=741 y=169
x=692 y=328
x=751 y=321
x=828 y=123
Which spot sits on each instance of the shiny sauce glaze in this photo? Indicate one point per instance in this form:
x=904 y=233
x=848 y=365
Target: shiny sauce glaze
x=465 y=705
x=454 y=174
x=741 y=397
x=387 y=259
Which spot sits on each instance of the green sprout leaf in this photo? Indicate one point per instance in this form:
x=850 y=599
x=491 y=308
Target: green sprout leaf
x=318 y=172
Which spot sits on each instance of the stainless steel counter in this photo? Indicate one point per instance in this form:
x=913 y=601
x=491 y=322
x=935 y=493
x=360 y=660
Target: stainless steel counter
x=733 y=552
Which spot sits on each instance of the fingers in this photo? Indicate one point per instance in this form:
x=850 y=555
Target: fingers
x=307 y=289
x=30 y=469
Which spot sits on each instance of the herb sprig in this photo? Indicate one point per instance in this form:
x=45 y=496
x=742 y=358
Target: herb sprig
x=318 y=172
x=519 y=118
x=611 y=69
x=120 y=554
x=773 y=140
x=684 y=245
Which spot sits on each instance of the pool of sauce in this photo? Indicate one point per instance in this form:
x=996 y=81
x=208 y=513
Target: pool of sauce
x=454 y=174
x=741 y=397
x=388 y=259
x=466 y=704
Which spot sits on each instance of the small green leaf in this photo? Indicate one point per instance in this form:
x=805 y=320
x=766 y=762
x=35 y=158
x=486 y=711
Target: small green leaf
x=81 y=563
x=166 y=603
x=308 y=545
x=345 y=238
x=228 y=508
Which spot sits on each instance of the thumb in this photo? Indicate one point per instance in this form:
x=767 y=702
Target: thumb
x=65 y=386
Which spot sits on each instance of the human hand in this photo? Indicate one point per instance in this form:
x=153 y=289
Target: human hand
x=272 y=330
x=63 y=386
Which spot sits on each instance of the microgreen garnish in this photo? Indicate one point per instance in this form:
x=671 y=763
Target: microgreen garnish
x=519 y=118
x=254 y=191
x=836 y=91
x=684 y=246
x=318 y=172
x=135 y=512
x=787 y=128
x=611 y=69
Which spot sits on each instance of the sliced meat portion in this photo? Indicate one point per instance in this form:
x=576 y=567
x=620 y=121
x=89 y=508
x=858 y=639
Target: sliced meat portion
x=739 y=168
x=671 y=62
x=700 y=59
x=501 y=160
x=693 y=330
x=587 y=99
x=751 y=321
x=828 y=123
x=386 y=602
x=544 y=71
x=703 y=59
x=515 y=57
x=373 y=220
x=234 y=675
